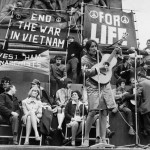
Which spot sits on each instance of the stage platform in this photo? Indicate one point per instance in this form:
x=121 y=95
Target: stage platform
x=35 y=147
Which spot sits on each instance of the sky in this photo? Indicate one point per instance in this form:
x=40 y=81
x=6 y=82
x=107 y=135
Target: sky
x=142 y=17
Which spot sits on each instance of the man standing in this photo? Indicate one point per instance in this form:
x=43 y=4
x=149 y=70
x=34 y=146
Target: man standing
x=73 y=57
x=144 y=107
x=9 y=110
x=57 y=75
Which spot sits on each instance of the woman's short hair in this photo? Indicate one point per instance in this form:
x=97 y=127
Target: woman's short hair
x=119 y=81
x=79 y=94
x=36 y=89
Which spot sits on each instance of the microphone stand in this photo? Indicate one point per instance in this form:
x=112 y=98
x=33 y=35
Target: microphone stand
x=83 y=119
x=136 y=112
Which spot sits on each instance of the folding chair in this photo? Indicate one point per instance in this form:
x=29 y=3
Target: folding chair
x=32 y=136
x=5 y=131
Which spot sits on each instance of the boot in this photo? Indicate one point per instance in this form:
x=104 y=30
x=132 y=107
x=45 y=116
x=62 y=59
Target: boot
x=85 y=143
x=131 y=131
x=15 y=137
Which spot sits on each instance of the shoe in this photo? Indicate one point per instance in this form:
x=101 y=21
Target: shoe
x=114 y=110
x=37 y=138
x=52 y=132
x=85 y=143
x=49 y=138
x=131 y=131
x=103 y=141
x=26 y=143
x=66 y=141
x=15 y=137
x=97 y=140
x=15 y=143
x=73 y=143
x=59 y=128
x=110 y=134
x=61 y=132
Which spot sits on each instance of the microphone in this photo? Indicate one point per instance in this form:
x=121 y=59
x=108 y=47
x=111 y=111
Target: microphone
x=133 y=55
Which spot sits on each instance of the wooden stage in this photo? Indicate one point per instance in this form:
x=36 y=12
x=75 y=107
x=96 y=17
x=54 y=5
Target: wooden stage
x=36 y=147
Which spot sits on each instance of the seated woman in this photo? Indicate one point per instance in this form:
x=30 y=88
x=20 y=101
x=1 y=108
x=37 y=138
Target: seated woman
x=74 y=114
x=32 y=109
x=63 y=95
x=47 y=112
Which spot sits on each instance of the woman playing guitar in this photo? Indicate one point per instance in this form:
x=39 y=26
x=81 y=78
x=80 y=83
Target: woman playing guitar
x=100 y=97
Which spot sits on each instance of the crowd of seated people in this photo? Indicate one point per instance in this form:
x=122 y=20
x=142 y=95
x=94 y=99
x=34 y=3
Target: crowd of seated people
x=68 y=105
x=39 y=106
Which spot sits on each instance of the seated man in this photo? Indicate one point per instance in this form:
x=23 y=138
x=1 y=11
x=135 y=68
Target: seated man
x=120 y=94
x=5 y=82
x=9 y=110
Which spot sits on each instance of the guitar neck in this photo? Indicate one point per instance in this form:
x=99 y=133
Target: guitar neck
x=111 y=56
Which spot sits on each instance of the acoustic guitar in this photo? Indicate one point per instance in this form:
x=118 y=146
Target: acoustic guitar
x=104 y=68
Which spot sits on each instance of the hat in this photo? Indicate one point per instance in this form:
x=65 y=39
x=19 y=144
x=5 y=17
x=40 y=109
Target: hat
x=35 y=81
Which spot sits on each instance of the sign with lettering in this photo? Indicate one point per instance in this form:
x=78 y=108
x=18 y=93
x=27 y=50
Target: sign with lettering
x=106 y=26
x=38 y=63
x=48 y=28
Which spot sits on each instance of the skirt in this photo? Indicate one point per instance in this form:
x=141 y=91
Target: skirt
x=100 y=99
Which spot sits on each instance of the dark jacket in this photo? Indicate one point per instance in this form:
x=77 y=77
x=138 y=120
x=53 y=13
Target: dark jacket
x=46 y=121
x=123 y=72
x=46 y=98
x=8 y=104
x=74 y=48
x=70 y=111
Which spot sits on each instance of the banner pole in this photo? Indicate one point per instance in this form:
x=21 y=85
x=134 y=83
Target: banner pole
x=82 y=6
x=67 y=41
x=49 y=76
x=9 y=25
